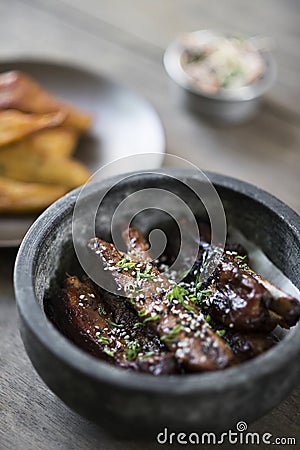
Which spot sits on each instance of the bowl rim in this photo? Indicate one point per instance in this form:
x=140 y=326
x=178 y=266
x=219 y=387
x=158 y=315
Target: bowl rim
x=176 y=72
x=100 y=371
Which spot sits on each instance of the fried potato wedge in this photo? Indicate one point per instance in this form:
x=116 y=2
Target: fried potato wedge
x=15 y=125
x=32 y=167
x=19 y=91
x=57 y=142
x=53 y=143
x=17 y=197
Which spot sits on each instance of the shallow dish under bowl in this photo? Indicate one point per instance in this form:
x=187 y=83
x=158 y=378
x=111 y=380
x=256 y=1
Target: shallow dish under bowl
x=133 y=404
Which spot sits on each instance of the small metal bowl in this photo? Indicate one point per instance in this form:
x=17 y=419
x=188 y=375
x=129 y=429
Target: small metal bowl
x=135 y=404
x=228 y=106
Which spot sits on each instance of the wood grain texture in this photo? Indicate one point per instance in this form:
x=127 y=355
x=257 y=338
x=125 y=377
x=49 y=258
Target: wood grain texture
x=125 y=40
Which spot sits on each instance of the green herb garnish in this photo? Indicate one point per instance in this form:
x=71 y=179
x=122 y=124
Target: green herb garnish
x=149 y=319
x=145 y=275
x=246 y=268
x=177 y=293
x=180 y=294
x=131 y=300
x=109 y=352
x=171 y=336
x=101 y=310
x=208 y=318
x=130 y=287
x=188 y=307
x=201 y=295
x=103 y=340
x=126 y=263
x=147 y=355
x=113 y=324
x=220 y=332
x=133 y=350
x=142 y=312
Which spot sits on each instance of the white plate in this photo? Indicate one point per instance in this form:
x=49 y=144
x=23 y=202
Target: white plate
x=124 y=124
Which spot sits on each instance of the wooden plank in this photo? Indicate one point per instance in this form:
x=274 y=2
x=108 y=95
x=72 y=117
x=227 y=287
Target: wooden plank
x=124 y=40
x=157 y=23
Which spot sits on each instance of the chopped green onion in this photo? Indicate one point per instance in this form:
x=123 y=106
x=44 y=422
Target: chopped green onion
x=177 y=293
x=146 y=274
x=113 y=324
x=133 y=350
x=131 y=300
x=147 y=355
x=180 y=294
x=220 y=332
x=201 y=295
x=126 y=263
x=142 y=312
x=102 y=340
x=208 y=318
x=130 y=287
x=109 y=352
x=149 y=319
x=188 y=307
x=171 y=336
x=101 y=310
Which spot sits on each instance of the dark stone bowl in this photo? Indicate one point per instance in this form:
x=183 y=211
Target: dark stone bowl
x=133 y=404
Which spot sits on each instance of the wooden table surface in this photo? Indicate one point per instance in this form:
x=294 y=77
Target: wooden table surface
x=125 y=40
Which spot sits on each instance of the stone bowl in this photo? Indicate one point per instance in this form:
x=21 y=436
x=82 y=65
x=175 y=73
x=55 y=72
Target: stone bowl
x=139 y=405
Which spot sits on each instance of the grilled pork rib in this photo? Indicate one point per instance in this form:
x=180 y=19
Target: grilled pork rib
x=159 y=327
x=245 y=301
x=104 y=327
x=172 y=317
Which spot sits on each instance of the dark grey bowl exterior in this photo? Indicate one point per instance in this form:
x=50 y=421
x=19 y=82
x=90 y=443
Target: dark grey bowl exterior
x=133 y=404
x=222 y=112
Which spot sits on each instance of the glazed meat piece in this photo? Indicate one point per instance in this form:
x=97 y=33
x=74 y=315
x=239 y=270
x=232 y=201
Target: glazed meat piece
x=137 y=245
x=244 y=346
x=247 y=346
x=107 y=329
x=237 y=299
x=281 y=303
x=240 y=298
x=167 y=309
